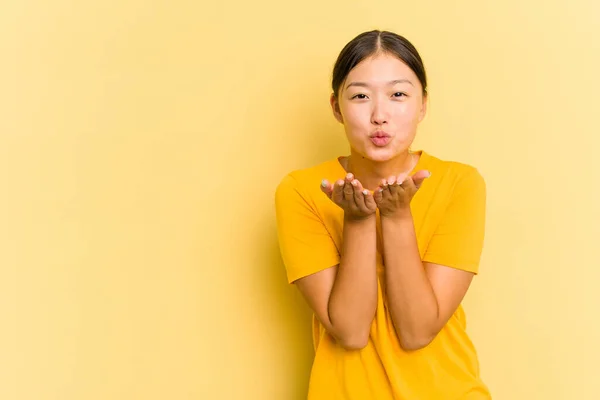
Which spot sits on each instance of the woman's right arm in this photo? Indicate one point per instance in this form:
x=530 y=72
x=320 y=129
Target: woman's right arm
x=344 y=297
x=339 y=284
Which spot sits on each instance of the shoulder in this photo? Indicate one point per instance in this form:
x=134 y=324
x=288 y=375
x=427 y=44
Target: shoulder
x=451 y=169
x=308 y=179
x=304 y=183
x=453 y=175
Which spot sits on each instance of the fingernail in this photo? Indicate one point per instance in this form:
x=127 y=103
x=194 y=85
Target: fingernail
x=354 y=182
x=349 y=176
x=340 y=182
x=365 y=192
x=324 y=183
x=380 y=190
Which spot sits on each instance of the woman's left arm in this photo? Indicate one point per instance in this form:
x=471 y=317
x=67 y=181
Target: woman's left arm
x=421 y=296
x=423 y=293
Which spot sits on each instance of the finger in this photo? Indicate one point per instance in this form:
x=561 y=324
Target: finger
x=370 y=201
x=363 y=198
x=378 y=195
x=401 y=179
x=327 y=188
x=359 y=197
x=386 y=194
x=398 y=188
x=338 y=192
x=348 y=188
x=409 y=185
x=384 y=184
x=392 y=182
x=419 y=177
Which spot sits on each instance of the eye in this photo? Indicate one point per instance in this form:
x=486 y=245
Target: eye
x=399 y=94
x=359 y=96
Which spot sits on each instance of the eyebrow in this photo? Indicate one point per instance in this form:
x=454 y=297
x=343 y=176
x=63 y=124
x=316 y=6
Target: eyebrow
x=394 y=82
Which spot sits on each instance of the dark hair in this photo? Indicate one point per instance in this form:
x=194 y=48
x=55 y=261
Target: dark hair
x=367 y=44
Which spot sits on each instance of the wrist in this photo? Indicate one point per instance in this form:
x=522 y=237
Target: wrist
x=400 y=215
x=353 y=219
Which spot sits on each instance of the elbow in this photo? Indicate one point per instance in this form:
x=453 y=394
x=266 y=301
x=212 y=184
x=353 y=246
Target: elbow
x=351 y=337
x=415 y=342
x=354 y=342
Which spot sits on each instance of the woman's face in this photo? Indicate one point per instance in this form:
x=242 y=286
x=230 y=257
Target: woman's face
x=380 y=103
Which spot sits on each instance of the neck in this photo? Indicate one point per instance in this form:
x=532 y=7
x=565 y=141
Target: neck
x=370 y=173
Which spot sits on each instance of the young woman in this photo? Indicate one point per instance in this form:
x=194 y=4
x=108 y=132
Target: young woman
x=383 y=243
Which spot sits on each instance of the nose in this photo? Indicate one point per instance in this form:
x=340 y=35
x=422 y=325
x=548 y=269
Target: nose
x=379 y=113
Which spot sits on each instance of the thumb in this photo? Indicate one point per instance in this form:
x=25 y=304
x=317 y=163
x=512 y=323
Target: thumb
x=420 y=176
x=326 y=187
x=378 y=195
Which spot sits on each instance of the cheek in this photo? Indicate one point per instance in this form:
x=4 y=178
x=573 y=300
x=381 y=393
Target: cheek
x=407 y=113
x=355 y=116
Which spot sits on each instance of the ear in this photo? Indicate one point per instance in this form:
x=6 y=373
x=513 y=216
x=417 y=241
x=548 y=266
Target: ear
x=335 y=107
x=423 y=108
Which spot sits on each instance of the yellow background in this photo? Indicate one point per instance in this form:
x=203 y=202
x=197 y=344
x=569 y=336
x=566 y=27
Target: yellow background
x=140 y=144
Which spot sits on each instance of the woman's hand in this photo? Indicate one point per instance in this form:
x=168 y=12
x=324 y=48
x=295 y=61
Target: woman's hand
x=394 y=195
x=358 y=203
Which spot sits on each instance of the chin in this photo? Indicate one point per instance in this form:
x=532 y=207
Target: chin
x=380 y=154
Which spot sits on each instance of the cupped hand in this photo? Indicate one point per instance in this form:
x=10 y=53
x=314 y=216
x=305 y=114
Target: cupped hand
x=394 y=195
x=356 y=201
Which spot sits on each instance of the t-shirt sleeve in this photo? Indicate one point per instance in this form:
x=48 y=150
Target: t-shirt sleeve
x=458 y=240
x=305 y=244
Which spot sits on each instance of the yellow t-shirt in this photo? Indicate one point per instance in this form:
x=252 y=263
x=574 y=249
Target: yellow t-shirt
x=449 y=219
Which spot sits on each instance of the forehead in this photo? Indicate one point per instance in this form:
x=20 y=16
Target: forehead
x=381 y=67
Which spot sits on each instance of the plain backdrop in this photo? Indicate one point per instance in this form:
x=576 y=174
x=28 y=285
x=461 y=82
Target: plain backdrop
x=141 y=143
